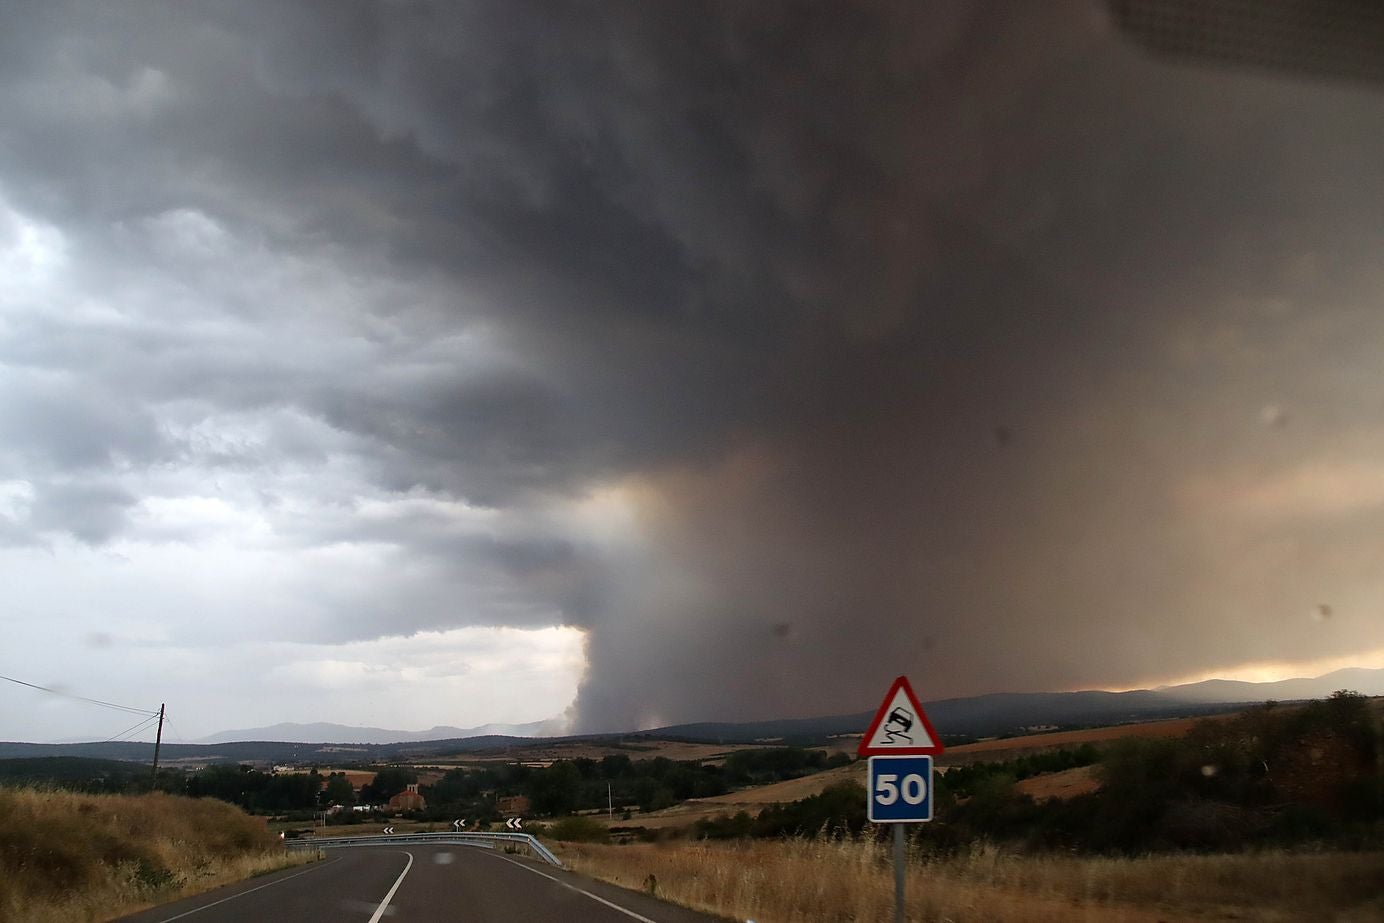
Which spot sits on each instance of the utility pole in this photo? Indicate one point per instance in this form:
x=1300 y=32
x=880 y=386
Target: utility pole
x=158 y=743
x=610 y=804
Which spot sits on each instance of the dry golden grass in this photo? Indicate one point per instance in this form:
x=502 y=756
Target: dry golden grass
x=1003 y=748
x=70 y=858
x=1069 y=783
x=752 y=799
x=798 y=881
x=792 y=789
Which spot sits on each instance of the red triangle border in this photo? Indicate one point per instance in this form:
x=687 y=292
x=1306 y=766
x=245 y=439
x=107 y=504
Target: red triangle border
x=865 y=750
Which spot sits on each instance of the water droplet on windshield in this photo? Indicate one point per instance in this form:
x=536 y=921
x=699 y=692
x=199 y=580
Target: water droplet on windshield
x=1272 y=415
x=1321 y=612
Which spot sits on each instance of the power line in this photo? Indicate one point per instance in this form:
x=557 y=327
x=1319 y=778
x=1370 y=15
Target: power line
x=134 y=730
x=181 y=738
x=81 y=698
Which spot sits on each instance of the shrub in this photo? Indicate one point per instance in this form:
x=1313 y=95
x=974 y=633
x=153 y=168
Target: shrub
x=578 y=829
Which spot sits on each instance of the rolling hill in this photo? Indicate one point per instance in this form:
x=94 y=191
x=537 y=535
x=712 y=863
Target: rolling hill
x=322 y=732
x=977 y=716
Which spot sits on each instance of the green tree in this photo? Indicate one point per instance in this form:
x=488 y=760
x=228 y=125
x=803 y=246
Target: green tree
x=553 y=791
x=339 y=791
x=579 y=830
x=387 y=783
x=839 y=809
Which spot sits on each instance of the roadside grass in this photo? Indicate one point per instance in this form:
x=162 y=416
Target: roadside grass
x=795 y=881
x=73 y=858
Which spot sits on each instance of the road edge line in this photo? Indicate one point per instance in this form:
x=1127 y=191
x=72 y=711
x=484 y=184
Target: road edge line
x=384 y=904
x=188 y=913
x=595 y=897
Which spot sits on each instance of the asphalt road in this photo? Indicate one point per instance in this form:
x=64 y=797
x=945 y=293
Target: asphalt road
x=420 y=884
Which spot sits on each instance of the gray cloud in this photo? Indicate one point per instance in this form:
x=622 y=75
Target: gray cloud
x=778 y=274
x=92 y=513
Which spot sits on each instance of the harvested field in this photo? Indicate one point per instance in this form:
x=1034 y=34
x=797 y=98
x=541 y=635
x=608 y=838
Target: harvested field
x=753 y=799
x=1010 y=747
x=792 y=789
x=357 y=777
x=1069 y=783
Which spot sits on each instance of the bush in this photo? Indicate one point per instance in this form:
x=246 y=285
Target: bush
x=724 y=827
x=838 y=810
x=579 y=829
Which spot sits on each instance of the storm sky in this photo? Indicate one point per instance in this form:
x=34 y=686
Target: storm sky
x=408 y=364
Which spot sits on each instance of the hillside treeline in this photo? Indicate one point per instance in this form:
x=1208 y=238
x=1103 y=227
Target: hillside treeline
x=565 y=787
x=1273 y=776
x=572 y=786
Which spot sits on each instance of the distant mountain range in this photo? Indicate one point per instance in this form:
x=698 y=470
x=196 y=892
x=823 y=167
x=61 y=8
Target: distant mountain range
x=1356 y=679
x=1011 y=712
x=977 y=716
x=322 y=732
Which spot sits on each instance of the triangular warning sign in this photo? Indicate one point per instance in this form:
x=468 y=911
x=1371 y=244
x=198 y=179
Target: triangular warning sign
x=901 y=726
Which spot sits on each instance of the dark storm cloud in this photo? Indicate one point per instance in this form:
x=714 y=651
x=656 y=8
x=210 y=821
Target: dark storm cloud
x=782 y=272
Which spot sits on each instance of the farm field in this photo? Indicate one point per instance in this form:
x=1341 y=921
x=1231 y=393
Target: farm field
x=1003 y=748
x=753 y=799
x=1069 y=783
x=1064 y=784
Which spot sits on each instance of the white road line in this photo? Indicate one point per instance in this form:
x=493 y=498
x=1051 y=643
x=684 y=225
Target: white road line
x=188 y=913
x=384 y=904
x=595 y=897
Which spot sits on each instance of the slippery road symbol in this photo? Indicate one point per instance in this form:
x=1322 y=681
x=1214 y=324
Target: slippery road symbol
x=898 y=725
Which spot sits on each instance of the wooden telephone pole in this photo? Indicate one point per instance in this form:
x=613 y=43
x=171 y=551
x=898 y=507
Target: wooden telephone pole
x=158 y=743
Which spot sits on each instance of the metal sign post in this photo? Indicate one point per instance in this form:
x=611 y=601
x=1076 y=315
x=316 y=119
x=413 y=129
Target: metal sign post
x=899 y=862
x=900 y=794
x=900 y=745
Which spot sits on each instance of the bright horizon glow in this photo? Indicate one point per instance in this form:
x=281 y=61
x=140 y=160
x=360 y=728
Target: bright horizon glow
x=458 y=677
x=1268 y=671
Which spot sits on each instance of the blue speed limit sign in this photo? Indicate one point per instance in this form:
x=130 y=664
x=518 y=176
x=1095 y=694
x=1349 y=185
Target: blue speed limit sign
x=900 y=789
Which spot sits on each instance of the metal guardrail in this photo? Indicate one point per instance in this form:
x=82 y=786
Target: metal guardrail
x=484 y=840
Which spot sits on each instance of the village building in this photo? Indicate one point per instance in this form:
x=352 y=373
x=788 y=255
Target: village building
x=408 y=800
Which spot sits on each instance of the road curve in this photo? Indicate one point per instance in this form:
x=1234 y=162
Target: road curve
x=420 y=884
